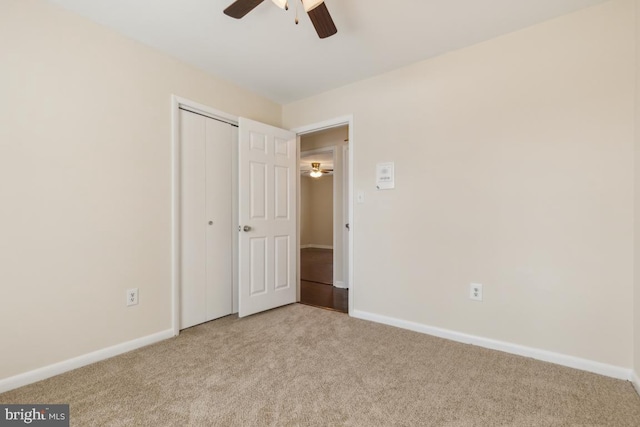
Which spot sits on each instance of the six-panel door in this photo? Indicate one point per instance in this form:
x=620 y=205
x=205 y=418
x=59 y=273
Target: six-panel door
x=267 y=186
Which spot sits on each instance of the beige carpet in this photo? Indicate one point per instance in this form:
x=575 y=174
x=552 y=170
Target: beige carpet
x=301 y=366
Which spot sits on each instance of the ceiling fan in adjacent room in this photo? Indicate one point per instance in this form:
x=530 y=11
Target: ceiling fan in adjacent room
x=316 y=9
x=315 y=171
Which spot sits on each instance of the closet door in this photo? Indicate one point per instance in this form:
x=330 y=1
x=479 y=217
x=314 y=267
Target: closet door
x=206 y=278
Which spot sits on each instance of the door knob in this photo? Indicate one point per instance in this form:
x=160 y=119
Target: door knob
x=210 y=222
x=246 y=228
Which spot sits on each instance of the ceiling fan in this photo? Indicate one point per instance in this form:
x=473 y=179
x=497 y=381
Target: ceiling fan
x=316 y=9
x=315 y=171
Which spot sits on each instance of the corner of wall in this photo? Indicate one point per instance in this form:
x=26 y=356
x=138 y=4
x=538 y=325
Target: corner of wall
x=635 y=381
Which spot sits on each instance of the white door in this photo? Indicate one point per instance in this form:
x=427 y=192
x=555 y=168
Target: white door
x=267 y=200
x=206 y=228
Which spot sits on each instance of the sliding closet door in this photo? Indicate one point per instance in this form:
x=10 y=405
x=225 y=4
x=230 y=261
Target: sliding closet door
x=206 y=227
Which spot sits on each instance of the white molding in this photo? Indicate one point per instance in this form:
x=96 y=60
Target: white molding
x=43 y=373
x=204 y=109
x=327 y=124
x=336 y=217
x=635 y=381
x=313 y=246
x=175 y=214
x=346 y=173
x=339 y=284
x=352 y=226
x=520 y=350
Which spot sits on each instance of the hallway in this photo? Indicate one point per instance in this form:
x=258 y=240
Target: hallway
x=316 y=281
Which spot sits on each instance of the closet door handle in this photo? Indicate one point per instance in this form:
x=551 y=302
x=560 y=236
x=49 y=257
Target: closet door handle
x=246 y=228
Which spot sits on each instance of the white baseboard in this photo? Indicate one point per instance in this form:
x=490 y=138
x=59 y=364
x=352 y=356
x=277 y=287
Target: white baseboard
x=534 y=353
x=635 y=381
x=80 y=361
x=312 y=246
x=339 y=284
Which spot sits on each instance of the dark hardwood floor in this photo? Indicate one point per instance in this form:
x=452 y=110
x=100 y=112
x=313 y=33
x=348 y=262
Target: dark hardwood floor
x=316 y=265
x=325 y=296
x=316 y=284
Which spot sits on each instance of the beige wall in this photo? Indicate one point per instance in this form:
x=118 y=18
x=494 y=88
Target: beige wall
x=317 y=211
x=85 y=182
x=305 y=211
x=514 y=169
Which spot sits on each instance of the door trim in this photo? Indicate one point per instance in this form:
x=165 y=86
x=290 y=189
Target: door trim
x=315 y=127
x=176 y=103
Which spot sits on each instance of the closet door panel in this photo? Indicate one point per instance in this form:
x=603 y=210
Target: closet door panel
x=206 y=223
x=219 y=260
x=192 y=219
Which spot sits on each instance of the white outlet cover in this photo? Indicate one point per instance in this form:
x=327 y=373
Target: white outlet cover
x=475 y=291
x=132 y=296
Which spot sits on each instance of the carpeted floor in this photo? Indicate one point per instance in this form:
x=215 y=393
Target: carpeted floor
x=303 y=366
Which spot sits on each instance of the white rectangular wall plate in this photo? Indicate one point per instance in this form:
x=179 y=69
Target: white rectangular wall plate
x=475 y=291
x=132 y=296
x=385 y=176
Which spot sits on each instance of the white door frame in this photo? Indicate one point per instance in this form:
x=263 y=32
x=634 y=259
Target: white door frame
x=344 y=215
x=328 y=124
x=176 y=103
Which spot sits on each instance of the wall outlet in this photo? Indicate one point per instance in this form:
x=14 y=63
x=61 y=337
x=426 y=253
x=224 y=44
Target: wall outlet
x=475 y=291
x=132 y=296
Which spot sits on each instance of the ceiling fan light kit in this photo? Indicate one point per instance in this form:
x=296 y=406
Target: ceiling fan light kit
x=282 y=4
x=316 y=9
x=311 y=4
x=316 y=172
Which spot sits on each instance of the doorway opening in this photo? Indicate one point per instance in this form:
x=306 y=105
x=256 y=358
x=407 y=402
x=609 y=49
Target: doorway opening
x=323 y=219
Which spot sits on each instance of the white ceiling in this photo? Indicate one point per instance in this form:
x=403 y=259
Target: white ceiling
x=268 y=54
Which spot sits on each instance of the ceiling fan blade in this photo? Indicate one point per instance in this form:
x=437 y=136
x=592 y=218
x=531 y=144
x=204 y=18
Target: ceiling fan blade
x=322 y=21
x=239 y=8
